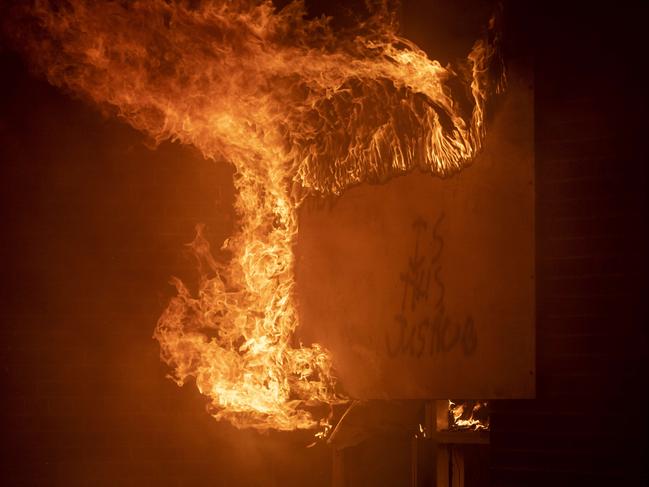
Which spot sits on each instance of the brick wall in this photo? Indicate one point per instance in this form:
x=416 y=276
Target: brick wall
x=93 y=227
x=588 y=424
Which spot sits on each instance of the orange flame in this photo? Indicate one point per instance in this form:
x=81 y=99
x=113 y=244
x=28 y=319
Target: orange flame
x=297 y=108
x=466 y=415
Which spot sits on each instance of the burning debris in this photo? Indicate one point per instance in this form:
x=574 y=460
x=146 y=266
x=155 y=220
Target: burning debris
x=468 y=415
x=297 y=108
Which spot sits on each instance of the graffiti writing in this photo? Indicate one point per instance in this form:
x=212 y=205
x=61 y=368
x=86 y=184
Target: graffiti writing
x=422 y=326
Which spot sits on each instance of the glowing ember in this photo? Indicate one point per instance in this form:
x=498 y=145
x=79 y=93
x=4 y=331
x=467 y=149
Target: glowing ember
x=296 y=108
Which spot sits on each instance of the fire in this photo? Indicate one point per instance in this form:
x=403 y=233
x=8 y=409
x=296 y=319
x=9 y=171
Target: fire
x=297 y=108
x=468 y=415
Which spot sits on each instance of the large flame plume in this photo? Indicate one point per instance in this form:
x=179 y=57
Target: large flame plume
x=297 y=107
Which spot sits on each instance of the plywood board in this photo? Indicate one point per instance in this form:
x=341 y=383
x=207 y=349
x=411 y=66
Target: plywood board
x=423 y=287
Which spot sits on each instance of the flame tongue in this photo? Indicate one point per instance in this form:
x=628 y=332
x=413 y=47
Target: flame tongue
x=468 y=415
x=296 y=108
